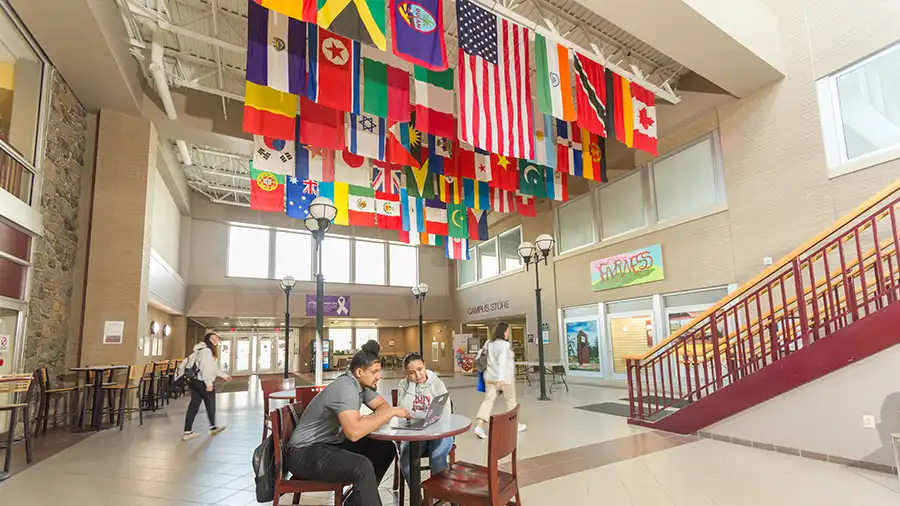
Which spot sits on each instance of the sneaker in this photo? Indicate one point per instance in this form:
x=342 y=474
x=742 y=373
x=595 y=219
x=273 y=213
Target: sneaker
x=479 y=431
x=187 y=436
x=522 y=427
x=216 y=430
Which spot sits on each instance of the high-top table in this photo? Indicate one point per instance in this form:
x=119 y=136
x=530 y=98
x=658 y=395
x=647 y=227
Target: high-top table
x=448 y=426
x=99 y=372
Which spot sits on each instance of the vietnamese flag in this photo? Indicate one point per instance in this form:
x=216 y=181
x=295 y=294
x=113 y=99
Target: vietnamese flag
x=504 y=173
x=266 y=191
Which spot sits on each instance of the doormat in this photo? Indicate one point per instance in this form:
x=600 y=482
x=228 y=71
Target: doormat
x=662 y=401
x=618 y=409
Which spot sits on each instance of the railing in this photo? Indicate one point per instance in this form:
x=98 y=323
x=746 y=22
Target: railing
x=825 y=285
x=15 y=177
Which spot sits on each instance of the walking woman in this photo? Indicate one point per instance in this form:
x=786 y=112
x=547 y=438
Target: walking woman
x=499 y=378
x=205 y=364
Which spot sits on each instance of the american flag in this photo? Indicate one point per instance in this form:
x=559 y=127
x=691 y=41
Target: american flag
x=495 y=110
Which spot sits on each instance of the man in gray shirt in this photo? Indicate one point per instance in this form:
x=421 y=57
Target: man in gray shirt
x=329 y=442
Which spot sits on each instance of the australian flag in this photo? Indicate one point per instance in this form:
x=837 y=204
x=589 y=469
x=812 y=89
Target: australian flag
x=300 y=192
x=417 y=27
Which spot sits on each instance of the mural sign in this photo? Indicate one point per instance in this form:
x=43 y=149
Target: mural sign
x=633 y=268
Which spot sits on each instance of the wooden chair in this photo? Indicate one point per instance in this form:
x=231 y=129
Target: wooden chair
x=87 y=393
x=18 y=389
x=468 y=484
x=305 y=395
x=399 y=486
x=160 y=375
x=282 y=427
x=49 y=393
x=132 y=382
x=173 y=369
x=269 y=387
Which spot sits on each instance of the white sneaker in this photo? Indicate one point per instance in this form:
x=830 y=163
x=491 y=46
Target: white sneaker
x=522 y=427
x=479 y=431
x=187 y=436
x=216 y=430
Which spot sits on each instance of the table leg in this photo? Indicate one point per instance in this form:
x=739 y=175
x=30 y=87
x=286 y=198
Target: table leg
x=96 y=415
x=415 y=474
x=10 y=437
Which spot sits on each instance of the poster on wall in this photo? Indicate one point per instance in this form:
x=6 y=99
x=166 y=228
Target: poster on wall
x=636 y=267
x=112 y=332
x=463 y=361
x=583 y=344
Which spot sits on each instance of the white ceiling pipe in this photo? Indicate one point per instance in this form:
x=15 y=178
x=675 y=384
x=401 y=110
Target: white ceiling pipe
x=158 y=71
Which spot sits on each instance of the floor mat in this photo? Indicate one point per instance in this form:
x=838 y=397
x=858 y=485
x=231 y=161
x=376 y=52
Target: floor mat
x=619 y=409
x=668 y=402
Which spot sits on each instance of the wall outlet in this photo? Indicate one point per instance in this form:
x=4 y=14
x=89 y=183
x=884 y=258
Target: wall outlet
x=868 y=421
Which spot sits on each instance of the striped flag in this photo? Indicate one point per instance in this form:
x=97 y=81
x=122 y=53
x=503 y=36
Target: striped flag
x=619 y=113
x=568 y=148
x=412 y=213
x=476 y=194
x=557 y=185
x=591 y=94
x=366 y=135
x=503 y=201
x=316 y=164
x=544 y=145
x=334 y=70
x=554 y=84
x=457 y=249
x=276 y=50
x=495 y=107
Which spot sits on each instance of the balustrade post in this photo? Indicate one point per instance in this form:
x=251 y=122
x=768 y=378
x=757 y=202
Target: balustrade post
x=717 y=351
x=630 y=366
x=801 y=303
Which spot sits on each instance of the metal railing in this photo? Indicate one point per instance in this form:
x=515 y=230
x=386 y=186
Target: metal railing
x=839 y=277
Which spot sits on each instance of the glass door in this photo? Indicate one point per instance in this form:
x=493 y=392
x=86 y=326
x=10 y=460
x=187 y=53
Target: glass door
x=265 y=362
x=630 y=331
x=243 y=352
x=225 y=355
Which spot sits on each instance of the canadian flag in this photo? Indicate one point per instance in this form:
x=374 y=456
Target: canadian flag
x=644 y=105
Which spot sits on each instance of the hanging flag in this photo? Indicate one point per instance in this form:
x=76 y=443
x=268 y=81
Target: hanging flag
x=386 y=178
x=366 y=135
x=450 y=189
x=476 y=194
x=276 y=50
x=385 y=90
x=417 y=31
x=435 y=217
x=269 y=112
x=434 y=102
x=504 y=173
x=420 y=182
x=334 y=70
x=321 y=126
x=361 y=20
x=273 y=155
x=590 y=94
x=441 y=152
x=457 y=249
x=361 y=206
x=557 y=185
x=458 y=221
x=407 y=238
x=299 y=194
x=398 y=145
x=304 y=10
x=526 y=205
x=313 y=163
x=593 y=156
x=544 y=144
x=644 y=118
x=472 y=163
x=387 y=209
x=339 y=194
x=495 y=109
x=503 y=201
x=478 y=225
x=568 y=148
x=352 y=169
x=619 y=115
x=533 y=179
x=554 y=84
x=412 y=213
x=432 y=239
x=266 y=190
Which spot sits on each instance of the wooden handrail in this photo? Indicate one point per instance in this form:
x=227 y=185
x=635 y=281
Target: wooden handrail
x=784 y=261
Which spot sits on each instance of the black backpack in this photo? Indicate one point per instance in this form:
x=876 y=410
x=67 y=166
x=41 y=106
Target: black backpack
x=264 y=465
x=186 y=372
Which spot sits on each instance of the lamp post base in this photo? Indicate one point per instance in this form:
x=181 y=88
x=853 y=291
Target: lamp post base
x=543 y=398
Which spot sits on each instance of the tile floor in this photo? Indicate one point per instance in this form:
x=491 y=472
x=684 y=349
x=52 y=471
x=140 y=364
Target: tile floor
x=566 y=456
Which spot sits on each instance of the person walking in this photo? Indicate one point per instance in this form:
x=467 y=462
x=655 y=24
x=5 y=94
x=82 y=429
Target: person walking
x=499 y=378
x=205 y=362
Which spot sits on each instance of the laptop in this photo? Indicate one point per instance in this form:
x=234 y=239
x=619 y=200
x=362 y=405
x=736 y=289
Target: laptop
x=431 y=416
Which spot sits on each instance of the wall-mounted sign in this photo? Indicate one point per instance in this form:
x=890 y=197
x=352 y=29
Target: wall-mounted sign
x=490 y=307
x=4 y=343
x=112 y=332
x=334 y=305
x=633 y=268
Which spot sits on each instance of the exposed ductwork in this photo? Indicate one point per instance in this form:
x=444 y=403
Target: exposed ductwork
x=158 y=71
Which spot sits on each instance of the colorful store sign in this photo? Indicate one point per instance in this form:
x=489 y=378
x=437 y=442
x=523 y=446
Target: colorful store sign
x=333 y=305
x=633 y=268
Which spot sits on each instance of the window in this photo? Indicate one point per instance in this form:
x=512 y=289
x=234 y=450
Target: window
x=336 y=259
x=509 y=249
x=364 y=335
x=341 y=339
x=369 y=263
x=685 y=182
x=622 y=205
x=248 y=252
x=487 y=258
x=293 y=255
x=575 y=224
x=468 y=269
x=404 y=263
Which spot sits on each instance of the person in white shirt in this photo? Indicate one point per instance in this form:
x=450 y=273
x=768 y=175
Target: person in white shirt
x=206 y=358
x=499 y=378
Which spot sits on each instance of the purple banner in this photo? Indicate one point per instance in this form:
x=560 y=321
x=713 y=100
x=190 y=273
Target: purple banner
x=334 y=305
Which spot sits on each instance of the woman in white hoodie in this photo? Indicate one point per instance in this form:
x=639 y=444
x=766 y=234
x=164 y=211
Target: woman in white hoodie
x=415 y=393
x=206 y=357
x=499 y=378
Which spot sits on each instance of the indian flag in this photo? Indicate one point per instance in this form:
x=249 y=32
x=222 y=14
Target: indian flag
x=554 y=83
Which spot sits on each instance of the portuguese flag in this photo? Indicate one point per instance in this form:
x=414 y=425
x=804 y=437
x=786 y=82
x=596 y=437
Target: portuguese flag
x=266 y=191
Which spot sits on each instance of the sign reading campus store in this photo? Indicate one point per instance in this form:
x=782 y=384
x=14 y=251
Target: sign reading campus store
x=334 y=305
x=490 y=307
x=633 y=268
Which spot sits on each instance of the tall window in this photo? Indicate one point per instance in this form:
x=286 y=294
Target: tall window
x=404 y=263
x=341 y=339
x=509 y=242
x=576 y=224
x=364 y=335
x=487 y=258
x=369 y=262
x=293 y=255
x=248 y=252
x=685 y=182
x=336 y=259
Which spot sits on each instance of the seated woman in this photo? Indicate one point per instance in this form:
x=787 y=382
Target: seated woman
x=415 y=393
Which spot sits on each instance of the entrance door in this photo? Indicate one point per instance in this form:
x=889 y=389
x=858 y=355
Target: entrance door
x=243 y=363
x=225 y=355
x=584 y=347
x=265 y=362
x=630 y=328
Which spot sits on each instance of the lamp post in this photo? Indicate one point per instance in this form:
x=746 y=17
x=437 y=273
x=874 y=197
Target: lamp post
x=533 y=254
x=419 y=292
x=287 y=284
x=321 y=216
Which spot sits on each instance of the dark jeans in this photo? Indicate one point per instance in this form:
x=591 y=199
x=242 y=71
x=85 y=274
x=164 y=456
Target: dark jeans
x=362 y=464
x=198 y=394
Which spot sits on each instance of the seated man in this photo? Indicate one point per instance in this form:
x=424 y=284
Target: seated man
x=329 y=442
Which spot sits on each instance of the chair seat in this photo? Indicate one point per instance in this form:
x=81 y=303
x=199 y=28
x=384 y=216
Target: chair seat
x=119 y=387
x=297 y=485
x=464 y=483
x=7 y=407
x=60 y=390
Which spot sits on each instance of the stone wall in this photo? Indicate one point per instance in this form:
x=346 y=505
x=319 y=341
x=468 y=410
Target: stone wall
x=47 y=328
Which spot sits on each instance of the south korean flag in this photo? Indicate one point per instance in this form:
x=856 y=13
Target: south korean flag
x=273 y=155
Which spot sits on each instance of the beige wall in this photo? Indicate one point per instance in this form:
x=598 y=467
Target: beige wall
x=166 y=234
x=438 y=332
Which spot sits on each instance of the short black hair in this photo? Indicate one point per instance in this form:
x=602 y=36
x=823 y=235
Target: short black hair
x=410 y=358
x=367 y=355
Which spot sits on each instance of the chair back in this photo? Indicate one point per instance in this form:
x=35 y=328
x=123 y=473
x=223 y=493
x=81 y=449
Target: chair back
x=558 y=369
x=15 y=384
x=305 y=395
x=135 y=374
x=282 y=427
x=269 y=387
x=394 y=397
x=43 y=378
x=502 y=441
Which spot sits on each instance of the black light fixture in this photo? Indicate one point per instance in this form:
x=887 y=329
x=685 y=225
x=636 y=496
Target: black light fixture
x=419 y=292
x=321 y=216
x=533 y=254
x=287 y=284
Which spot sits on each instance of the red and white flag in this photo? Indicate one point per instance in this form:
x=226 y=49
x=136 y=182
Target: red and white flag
x=495 y=109
x=503 y=201
x=526 y=205
x=457 y=249
x=644 y=106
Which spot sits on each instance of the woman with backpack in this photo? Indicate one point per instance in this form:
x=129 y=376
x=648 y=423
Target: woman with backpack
x=499 y=375
x=201 y=370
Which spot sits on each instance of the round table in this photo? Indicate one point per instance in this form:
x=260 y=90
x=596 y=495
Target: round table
x=449 y=425
x=284 y=394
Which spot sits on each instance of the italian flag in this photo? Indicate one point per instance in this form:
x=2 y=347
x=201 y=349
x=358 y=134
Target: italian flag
x=266 y=190
x=434 y=102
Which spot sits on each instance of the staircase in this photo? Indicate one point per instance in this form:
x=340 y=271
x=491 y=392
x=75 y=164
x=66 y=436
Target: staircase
x=828 y=303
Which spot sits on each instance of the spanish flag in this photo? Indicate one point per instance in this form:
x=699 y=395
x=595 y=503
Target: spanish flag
x=619 y=109
x=269 y=112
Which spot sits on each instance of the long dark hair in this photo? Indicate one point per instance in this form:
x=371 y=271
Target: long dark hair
x=207 y=339
x=499 y=331
x=410 y=358
x=367 y=355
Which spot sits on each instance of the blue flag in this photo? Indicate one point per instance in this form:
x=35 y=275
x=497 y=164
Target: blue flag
x=417 y=29
x=300 y=192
